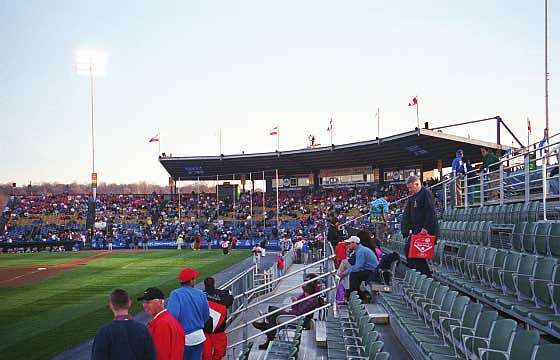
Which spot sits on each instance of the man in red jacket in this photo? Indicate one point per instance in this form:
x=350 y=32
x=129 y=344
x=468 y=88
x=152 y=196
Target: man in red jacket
x=167 y=334
x=215 y=345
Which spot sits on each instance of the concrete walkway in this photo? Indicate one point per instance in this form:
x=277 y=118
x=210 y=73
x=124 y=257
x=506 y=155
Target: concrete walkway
x=82 y=351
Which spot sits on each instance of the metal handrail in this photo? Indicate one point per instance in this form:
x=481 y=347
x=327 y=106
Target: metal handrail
x=285 y=291
x=282 y=277
x=316 y=294
x=280 y=325
x=236 y=278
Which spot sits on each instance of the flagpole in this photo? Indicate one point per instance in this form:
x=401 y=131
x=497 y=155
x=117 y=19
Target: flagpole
x=159 y=143
x=528 y=132
x=220 y=142
x=278 y=139
x=417 y=117
x=546 y=130
x=378 y=129
x=332 y=130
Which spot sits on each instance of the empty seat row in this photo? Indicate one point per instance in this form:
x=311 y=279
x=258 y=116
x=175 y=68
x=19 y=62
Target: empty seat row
x=443 y=325
x=353 y=336
x=525 y=286
x=474 y=232
x=499 y=214
x=541 y=238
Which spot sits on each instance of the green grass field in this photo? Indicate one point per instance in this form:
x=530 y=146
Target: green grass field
x=38 y=321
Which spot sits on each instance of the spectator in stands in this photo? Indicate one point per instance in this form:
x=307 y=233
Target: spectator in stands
x=490 y=167
x=296 y=310
x=364 y=269
x=167 y=333
x=368 y=241
x=190 y=307
x=458 y=168
x=219 y=301
x=379 y=216
x=123 y=338
x=280 y=263
x=340 y=252
x=334 y=232
x=419 y=217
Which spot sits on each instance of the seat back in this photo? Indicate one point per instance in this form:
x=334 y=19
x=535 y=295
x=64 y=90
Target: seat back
x=533 y=214
x=522 y=344
x=517 y=236
x=484 y=323
x=544 y=270
x=382 y=356
x=459 y=306
x=546 y=352
x=541 y=238
x=526 y=267
x=493 y=275
x=516 y=213
x=501 y=334
x=554 y=240
x=529 y=237
x=510 y=267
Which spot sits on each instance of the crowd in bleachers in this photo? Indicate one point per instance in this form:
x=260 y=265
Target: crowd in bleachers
x=133 y=219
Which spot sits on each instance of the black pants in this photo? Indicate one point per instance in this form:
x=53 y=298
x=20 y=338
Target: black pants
x=420 y=265
x=356 y=279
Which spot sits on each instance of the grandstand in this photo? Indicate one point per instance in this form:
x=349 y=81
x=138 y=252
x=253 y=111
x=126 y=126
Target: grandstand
x=494 y=292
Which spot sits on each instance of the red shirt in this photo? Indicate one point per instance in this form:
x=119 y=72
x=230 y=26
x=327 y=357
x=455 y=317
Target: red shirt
x=340 y=251
x=168 y=337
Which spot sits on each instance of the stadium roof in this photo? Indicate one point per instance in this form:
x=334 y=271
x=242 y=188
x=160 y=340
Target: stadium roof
x=418 y=148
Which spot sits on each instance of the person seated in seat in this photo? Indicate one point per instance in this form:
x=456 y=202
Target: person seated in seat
x=296 y=310
x=364 y=269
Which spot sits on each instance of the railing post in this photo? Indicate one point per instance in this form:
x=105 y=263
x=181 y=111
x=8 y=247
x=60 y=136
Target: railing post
x=501 y=183
x=444 y=196
x=245 y=335
x=482 y=173
x=544 y=182
x=527 y=178
x=466 y=201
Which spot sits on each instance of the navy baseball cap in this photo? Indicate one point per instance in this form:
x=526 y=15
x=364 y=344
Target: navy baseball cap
x=151 y=294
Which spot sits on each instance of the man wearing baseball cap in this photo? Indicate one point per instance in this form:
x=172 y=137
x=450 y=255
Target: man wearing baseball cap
x=190 y=307
x=167 y=333
x=365 y=267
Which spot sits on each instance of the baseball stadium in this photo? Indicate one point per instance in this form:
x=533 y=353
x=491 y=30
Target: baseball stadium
x=435 y=237
x=488 y=285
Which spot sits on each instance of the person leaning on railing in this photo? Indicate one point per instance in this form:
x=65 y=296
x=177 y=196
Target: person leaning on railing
x=490 y=165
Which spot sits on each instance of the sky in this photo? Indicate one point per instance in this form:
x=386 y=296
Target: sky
x=190 y=69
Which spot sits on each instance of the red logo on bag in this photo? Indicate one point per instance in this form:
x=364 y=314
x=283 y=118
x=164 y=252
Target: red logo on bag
x=421 y=246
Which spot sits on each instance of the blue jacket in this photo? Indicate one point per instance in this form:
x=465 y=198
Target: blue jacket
x=458 y=165
x=365 y=260
x=190 y=307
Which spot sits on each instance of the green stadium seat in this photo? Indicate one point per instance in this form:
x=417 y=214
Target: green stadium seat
x=533 y=214
x=498 y=338
x=517 y=236
x=382 y=356
x=546 y=352
x=541 y=238
x=485 y=233
x=529 y=237
x=516 y=215
x=520 y=281
x=554 y=240
x=481 y=329
x=508 y=218
x=520 y=347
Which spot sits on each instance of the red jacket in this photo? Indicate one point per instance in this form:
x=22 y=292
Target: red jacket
x=168 y=337
x=340 y=251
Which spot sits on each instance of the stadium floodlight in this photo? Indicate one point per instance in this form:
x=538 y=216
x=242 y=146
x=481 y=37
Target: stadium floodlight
x=92 y=62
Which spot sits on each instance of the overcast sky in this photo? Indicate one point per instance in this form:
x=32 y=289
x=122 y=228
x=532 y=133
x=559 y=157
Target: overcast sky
x=187 y=69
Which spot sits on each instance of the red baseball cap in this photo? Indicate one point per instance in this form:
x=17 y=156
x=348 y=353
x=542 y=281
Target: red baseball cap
x=188 y=274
